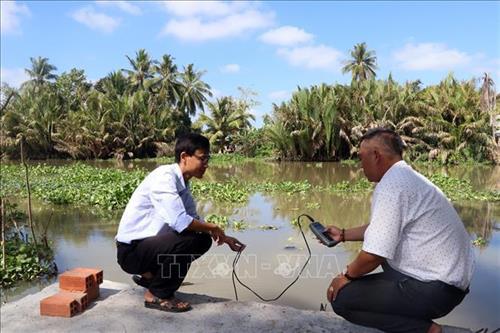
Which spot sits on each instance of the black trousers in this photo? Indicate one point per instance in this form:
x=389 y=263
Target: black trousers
x=167 y=256
x=394 y=302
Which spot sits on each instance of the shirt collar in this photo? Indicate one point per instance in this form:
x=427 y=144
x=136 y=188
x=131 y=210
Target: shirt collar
x=397 y=165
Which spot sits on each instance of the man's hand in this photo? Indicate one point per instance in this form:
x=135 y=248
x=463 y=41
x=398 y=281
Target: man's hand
x=234 y=244
x=333 y=232
x=337 y=283
x=218 y=235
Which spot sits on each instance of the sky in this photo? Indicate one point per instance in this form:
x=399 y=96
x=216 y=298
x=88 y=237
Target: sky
x=269 y=47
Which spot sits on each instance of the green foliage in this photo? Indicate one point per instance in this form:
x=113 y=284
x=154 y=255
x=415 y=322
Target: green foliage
x=228 y=117
x=313 y=205
x=461 y=189
x=221 y=221
x=362 y=64
x=345 y=187
x=122 y=116
x=253 y=143
x=227 y=159
x=287 y=187
x=308 y=127
x=349 y=162
x=238 y=192
x=111 y=189
x=138 y=112
x=74 y=184
x=479 y=242
x=24 y=262
x=239 y=225
x=448 y=122
x=223 y=192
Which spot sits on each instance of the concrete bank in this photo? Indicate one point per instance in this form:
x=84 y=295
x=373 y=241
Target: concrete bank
x=120 y=308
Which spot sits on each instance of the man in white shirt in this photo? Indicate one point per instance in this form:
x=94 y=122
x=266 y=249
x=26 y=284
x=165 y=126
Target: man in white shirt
x=160 y=233
x=417 y=237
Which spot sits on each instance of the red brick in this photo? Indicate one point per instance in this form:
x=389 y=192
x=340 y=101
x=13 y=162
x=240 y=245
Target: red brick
x=59 y=306
x=80 y=297
x=96 y=272
x=76 y=281
x=93 y=293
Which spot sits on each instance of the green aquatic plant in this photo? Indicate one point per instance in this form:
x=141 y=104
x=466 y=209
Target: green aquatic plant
x=460 y=189
x=77 y=184
x=221 y=221
x=223 y=192
x=240 y=225
x=295 y=222
x=349 y=162
x=110 y=189
x=25 y=262
x=479 y=242
x=287 y=187
x=350 y=187
x=25 y=259
x=313 y=205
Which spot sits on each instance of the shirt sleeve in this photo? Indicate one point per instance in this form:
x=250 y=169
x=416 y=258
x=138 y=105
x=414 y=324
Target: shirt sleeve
x=383 y=234
x=190 y=205
x=168 y=203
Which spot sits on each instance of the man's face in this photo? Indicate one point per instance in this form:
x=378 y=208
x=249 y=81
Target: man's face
x=369 y=160
x=197 y=163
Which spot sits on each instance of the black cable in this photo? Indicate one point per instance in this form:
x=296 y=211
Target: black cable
x=237 y=257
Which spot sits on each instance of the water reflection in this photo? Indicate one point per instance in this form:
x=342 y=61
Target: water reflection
x=84 y=236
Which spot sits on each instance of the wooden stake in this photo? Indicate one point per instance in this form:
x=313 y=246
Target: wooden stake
x=30 y=215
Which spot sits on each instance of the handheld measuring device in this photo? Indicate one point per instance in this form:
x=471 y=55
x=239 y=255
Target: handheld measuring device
x=319 y=231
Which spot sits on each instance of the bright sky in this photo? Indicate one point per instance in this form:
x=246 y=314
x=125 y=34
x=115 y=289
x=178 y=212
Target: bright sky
x=269 y=47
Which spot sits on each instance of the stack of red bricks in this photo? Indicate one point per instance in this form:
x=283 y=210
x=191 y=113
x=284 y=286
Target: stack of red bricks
x=77 y=288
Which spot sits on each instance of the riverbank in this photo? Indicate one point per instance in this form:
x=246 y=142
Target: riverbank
x=120 y=309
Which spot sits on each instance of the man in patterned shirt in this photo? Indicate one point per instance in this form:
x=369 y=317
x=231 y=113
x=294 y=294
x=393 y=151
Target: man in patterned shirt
x=417 y=237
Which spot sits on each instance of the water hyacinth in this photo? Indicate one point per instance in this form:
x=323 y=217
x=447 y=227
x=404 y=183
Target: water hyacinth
x=110 y=189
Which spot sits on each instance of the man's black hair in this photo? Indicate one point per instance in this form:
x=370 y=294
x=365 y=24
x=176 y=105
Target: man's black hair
x=189 y=143
x=389 y=138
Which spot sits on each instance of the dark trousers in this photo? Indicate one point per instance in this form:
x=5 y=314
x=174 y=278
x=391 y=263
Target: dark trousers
x=167 y=256
x=394 y=302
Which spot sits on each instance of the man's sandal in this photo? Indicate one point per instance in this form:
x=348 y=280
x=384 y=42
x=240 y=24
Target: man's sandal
x=169 y=305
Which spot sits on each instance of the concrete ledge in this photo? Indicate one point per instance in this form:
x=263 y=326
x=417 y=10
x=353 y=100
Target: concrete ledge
x=120 y=308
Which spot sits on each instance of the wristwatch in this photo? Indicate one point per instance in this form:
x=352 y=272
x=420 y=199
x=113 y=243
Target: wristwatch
x=348 y=277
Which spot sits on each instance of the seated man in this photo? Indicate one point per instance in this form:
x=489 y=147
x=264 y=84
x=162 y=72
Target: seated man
x=417 y=237
x=160 y=233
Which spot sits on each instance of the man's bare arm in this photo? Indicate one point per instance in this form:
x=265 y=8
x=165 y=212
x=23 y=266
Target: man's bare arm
x=364 y=263
x=355 y=234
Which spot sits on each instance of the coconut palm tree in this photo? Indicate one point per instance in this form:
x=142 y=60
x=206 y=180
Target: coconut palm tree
x=227 y=117
x=167 y=84
x=114 y=84
x=195 y=91
x=362 y=64
x=41 y=71
x=141 y=70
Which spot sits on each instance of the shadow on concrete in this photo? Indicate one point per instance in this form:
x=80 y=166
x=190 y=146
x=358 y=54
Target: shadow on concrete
x=199 y=299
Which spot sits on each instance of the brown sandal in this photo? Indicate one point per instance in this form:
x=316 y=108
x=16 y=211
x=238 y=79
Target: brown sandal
x=168 y=305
